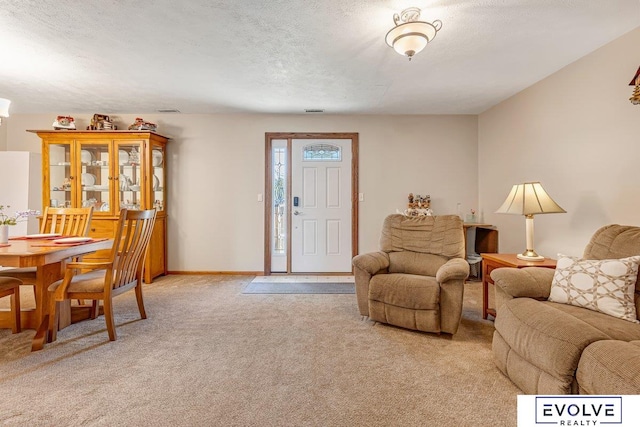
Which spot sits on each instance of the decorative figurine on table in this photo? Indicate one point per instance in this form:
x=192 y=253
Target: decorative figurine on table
x=64 y=122
x=418 y=205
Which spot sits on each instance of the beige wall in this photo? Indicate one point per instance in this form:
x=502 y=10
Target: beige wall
x=216 y=171
x=3 y=133
x=576 y=133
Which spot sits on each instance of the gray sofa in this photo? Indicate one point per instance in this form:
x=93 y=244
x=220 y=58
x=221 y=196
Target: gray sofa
x=552 y=348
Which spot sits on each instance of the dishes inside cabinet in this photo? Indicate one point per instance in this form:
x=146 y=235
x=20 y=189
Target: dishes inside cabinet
x=123 y=157
x=86 y=157
x=156 y=183
x=156 y=158
x=88 y=179
x=125 y=182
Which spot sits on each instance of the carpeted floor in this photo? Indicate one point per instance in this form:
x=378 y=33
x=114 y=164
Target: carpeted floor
x=209 y=355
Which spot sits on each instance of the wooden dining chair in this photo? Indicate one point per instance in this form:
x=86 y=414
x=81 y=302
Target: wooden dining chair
x=11 y=286
x=67 y=222
x=105 y=280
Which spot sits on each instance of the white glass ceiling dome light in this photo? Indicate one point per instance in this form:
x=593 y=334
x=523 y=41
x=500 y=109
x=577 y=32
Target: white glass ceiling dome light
x=4 y=108
x=410 y=36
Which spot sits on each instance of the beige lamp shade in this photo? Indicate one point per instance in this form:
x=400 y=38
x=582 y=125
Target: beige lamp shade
x=529 y=199
x=4 y=107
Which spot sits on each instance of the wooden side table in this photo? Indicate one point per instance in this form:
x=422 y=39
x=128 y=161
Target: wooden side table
x=492 y=261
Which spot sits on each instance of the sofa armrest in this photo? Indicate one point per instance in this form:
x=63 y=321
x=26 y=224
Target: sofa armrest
x=531 y=282
x=609 y=367
x=372 y=263
x=451 y=276
x=454 y=269
x=365 y=266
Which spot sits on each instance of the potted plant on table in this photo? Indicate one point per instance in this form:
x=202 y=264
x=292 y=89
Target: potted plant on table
x=7 y=220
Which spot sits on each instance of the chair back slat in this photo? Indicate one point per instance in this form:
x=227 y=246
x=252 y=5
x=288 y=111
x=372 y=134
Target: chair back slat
x=132 y=238
x=67 y=221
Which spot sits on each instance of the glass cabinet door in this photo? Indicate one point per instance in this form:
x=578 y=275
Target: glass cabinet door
x=130 y=179
x=94 y=176
x=158 y=172
x=60 y=175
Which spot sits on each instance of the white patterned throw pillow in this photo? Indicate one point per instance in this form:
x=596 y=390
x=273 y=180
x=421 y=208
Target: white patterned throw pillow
x=605 y=285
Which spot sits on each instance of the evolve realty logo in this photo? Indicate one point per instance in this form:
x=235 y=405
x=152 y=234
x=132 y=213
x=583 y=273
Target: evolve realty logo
x=578 y=410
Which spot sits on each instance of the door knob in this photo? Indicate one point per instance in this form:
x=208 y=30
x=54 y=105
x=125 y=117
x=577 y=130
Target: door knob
x=296 y=213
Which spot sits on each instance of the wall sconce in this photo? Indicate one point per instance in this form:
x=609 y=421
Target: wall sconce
x=4 y=108
x=635 y=98
x=529 y=199
x=411 y=36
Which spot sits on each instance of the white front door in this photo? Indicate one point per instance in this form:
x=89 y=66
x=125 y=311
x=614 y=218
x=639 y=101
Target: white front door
x=321 y=206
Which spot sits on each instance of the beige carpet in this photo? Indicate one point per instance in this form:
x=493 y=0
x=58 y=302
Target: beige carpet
x=209 y=355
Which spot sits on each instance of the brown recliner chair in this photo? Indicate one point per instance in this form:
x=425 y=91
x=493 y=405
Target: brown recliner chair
x=416 y=280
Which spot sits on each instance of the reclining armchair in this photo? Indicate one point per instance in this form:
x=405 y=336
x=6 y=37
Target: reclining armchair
x=416 y=280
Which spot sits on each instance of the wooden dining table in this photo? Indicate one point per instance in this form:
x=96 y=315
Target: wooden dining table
x=49 y=259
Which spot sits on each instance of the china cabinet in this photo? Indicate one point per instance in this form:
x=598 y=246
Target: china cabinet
x=109 y=170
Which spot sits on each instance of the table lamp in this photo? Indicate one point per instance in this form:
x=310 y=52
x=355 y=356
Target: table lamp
x=529 y=199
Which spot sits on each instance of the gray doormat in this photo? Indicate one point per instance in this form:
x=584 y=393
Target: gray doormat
x=299 y=288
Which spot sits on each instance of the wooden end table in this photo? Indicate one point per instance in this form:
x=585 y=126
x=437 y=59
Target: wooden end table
x=492 y=261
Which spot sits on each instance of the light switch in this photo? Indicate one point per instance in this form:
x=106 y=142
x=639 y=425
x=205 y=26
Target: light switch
x=259 y=197
x=361 y=197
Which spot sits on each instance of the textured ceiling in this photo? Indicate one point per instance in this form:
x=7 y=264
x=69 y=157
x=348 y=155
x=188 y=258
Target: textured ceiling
x=276 y=56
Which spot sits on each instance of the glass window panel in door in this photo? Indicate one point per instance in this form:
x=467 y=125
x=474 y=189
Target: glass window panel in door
x=279 y=228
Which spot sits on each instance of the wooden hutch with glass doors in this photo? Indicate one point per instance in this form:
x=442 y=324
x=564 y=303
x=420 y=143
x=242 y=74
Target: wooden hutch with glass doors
x=109 y=170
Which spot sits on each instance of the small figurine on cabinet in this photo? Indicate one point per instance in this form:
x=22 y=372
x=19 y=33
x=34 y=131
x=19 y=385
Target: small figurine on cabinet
x=140 y=124
x=64 y=122
x=66 y=184
x=101 y=122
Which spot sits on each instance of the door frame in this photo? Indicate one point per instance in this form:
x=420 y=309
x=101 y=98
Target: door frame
x=268 y=190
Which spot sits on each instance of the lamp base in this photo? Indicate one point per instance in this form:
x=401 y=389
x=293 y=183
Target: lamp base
x=530 y=255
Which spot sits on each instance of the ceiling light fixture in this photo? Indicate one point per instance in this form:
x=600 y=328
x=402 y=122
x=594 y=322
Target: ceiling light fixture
x=635 y=98
x=4 y=108
x=410 y=36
